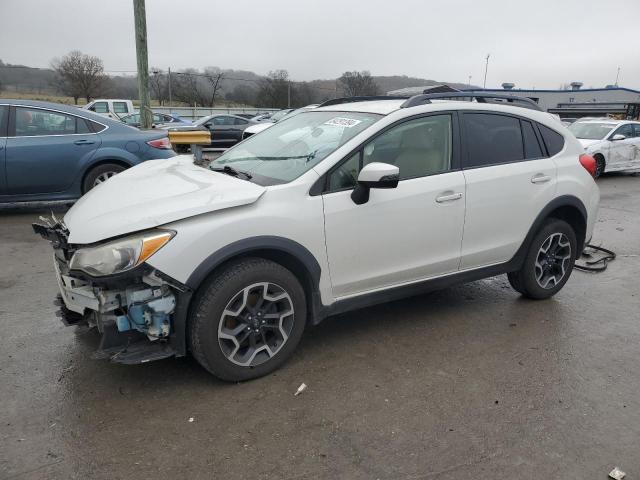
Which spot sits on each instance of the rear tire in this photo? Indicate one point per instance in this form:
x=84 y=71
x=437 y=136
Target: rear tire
x=600 y=165
x=247 y=319
x=100 y=174
x=549 y=262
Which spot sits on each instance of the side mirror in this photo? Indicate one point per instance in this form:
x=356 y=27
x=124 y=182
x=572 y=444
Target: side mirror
x=374 y=175
x=209 y=125
x=618 y=136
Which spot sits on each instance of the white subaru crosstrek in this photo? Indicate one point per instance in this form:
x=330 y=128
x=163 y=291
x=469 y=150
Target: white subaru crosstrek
x=357 y=202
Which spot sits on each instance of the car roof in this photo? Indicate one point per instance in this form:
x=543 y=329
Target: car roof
x=61 y=107
x=609 y=121
x=383 y=107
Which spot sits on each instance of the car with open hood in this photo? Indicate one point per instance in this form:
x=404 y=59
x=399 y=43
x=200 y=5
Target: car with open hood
x=357 y=202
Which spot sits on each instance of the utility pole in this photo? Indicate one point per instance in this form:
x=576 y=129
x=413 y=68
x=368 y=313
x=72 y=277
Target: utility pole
x=170 y=102
x=140 y=20
x=469 y=82
x=289 y=94
x=617 y=76
x=486 y=67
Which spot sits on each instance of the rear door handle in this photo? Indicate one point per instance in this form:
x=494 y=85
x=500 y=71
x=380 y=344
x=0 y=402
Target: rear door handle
x=449 y=198
x=540 y=178
x=84 y=142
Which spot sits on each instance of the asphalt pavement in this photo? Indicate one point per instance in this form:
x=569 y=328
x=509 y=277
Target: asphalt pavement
x=471 y=382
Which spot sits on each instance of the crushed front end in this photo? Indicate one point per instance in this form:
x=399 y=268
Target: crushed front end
x=139 y=312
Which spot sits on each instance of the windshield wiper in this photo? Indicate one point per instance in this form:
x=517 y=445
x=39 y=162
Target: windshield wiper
x=233 y=172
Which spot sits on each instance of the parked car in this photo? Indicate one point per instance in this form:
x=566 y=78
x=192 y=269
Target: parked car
x=111 y=108
x=58 y=152
x=615 y=144
x=245 y=115
x=225 y=130
x=337 y=208
x=281 y=115
x=160 y=120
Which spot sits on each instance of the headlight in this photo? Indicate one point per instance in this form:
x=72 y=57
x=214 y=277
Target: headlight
x=120 y=255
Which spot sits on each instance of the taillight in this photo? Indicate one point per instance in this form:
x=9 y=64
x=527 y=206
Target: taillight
x=161 y=143
x=589 y=164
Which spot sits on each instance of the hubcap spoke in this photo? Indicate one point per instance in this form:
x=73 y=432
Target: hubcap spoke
x=255 y=324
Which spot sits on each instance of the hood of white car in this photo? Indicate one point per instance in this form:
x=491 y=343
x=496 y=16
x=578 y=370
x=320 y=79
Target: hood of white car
x=154 y=193
x=587 y=143
x=258 y=127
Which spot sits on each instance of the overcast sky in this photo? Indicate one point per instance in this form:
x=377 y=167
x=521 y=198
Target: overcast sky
x=541 y=43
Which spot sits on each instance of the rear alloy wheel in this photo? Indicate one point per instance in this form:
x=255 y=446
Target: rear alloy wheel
x=548 y=263
x=247 y=319
x=100 y=174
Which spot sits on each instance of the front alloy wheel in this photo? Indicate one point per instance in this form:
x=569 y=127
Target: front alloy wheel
x=256 y=324
x=247 y=319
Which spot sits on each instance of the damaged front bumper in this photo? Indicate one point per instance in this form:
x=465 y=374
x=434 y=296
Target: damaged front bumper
x=140 y=314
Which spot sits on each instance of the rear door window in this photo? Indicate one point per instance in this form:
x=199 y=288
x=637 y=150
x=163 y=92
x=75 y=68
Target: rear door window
x=492 y=139
x=552 y=139
x=636 y=129
x=240 y=121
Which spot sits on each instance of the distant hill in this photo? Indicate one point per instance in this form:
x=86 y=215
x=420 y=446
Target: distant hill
x=238 y=86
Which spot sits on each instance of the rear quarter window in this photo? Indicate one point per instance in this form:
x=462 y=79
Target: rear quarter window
x=552 y=139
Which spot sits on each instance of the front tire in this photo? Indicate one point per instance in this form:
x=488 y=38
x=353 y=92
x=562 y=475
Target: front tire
x=247 y=319
x=549 y=262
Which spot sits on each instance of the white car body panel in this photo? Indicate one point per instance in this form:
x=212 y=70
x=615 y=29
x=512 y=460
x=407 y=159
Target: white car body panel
x=271 y=215
x=372 y=246
x=502 y=204
x=153 y=194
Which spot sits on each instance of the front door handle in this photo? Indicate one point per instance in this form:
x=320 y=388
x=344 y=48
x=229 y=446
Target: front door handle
x=84 y=142
x=540 y=178
x=449 y=198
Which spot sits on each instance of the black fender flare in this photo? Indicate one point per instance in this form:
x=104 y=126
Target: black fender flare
x=562 y=201
x=245 y=246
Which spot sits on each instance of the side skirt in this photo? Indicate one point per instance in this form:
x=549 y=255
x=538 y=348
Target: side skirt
x=418 y=288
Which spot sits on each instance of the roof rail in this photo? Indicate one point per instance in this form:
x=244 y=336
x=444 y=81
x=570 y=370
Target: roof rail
x=338 y=101
x=480 y=97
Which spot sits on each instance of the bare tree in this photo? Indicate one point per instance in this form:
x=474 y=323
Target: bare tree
x=80 y=75
x=358 y=83
x=214 y=76
x=274 y=90
x=159 y=85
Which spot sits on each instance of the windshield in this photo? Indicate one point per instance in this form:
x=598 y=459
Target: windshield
x=288 y=149
x=591 y=130
x=203 y=120
x=279 y=115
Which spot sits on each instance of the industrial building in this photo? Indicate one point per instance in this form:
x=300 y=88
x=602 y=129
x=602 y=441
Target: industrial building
x=575 y=102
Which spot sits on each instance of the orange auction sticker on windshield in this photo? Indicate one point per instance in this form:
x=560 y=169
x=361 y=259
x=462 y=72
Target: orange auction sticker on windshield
x=343 y=122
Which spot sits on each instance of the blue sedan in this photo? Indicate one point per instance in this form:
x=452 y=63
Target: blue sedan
x=52 y=152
